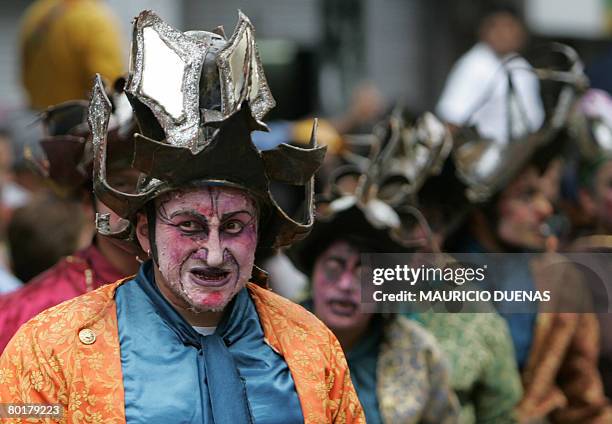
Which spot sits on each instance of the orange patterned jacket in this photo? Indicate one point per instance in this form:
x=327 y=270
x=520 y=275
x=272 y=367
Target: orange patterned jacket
x=52 y=360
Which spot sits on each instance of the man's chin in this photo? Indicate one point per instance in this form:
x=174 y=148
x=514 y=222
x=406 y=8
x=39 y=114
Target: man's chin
x=210 y=302
x=530 y=242
x=208 y=299
x=343 y=323
x=536 y=244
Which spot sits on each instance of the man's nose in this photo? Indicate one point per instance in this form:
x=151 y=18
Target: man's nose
x=215 y=250
x=543 y=207
x=347 y=281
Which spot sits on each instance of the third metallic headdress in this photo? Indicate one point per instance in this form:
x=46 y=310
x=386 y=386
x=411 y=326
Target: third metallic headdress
x=197 y=97
x=377 y=208
x=486 y=167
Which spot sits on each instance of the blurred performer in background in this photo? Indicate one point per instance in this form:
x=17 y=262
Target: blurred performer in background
x=556 y=345
x=195 y=318
x=63 y=44
x=556 y=352
x=593 y=129
x=44 y=231
x=67 y=168
x=476 y=342
x=490 y=87
x=12 y=195
x=396 y=366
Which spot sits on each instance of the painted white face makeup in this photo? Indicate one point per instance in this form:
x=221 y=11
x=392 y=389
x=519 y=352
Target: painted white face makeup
x=206 y=240
x=337 y=290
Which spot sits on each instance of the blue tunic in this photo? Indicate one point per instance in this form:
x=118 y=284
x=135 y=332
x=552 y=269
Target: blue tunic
x=164 y=363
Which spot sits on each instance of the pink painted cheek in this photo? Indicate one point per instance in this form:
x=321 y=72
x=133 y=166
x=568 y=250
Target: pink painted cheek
x=174 y=247
x=242 y=247
x=518 y=216
x=321 y=290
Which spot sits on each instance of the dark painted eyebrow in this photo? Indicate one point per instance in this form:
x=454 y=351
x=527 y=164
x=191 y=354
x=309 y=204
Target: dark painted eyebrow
x=232 y=214
x=343 y=261
x=336 y=258
x=198 y=215
x=189 y=212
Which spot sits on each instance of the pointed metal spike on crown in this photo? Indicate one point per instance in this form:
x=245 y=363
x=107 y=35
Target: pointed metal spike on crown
x=98 y=115
x=313 y=135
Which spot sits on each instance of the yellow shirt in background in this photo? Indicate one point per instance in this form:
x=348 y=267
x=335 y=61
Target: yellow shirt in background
x=63 y=44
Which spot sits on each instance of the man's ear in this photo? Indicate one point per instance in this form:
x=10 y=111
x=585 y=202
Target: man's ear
x=142 y=232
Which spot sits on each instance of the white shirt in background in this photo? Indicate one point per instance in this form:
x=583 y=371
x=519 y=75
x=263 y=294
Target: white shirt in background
x=476 y=93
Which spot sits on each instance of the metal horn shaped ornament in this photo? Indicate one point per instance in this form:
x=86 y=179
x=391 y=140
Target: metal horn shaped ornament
x=122 y=203
x=163 y=61
x=359 y=210
x=407 y=153
x=421 y=151
x=242 y=76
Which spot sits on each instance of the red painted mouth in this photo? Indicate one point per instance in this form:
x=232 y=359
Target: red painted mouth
x=209 y=277
x=345 y=308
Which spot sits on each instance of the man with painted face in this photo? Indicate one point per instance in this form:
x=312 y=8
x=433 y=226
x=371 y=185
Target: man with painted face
x=474 y=339
x=396 y=366
x=193 y=337
x=556 y=346
x=593 y=125
x=67 y=167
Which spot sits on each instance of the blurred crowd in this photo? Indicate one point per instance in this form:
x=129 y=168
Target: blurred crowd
x=516 y=158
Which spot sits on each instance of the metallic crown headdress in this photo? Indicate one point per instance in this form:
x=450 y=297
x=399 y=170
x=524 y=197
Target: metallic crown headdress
x=379 y=208
x=403 y=153
x=197 y=97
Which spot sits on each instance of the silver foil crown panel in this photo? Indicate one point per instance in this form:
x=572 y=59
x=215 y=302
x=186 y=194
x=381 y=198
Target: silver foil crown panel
x=241 y=73
x=165 y=68
x=165 y=71
x=99 y=114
